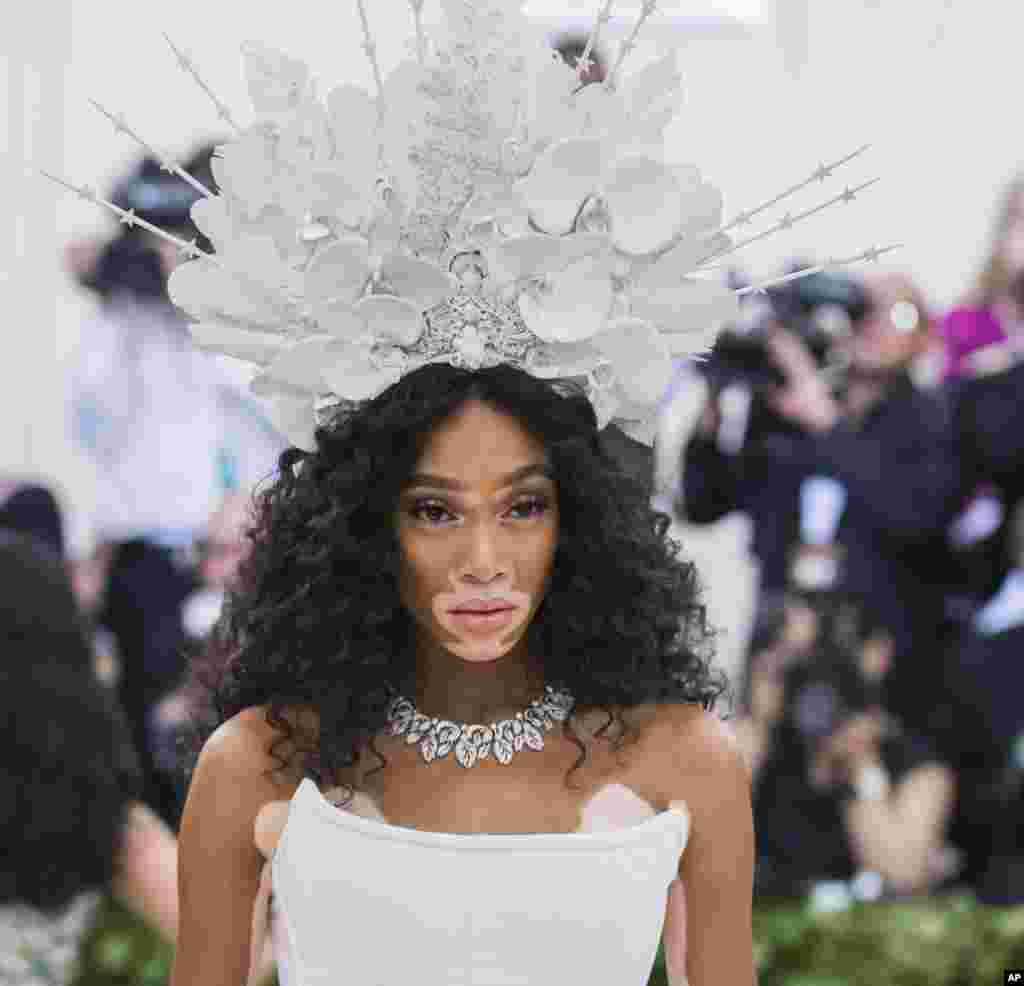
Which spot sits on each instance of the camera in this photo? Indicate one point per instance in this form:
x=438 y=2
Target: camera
x=821 y=309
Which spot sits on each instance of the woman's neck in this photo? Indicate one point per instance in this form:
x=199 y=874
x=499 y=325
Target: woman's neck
x=448 y=687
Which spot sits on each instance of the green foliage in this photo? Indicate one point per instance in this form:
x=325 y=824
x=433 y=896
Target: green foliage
x=121 y=950
x=942 y=943
x=951 y=942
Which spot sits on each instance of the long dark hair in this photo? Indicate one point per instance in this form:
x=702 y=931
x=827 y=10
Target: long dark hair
x=318 y=620
x=69 y=770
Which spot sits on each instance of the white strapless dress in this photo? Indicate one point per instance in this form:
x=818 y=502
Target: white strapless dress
x=364 y=903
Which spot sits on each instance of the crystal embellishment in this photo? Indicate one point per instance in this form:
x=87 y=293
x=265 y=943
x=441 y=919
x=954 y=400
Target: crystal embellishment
x=438 y=737
x=468 y=330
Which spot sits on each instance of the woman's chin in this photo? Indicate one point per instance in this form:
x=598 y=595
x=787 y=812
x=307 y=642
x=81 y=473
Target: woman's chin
x=481 y=652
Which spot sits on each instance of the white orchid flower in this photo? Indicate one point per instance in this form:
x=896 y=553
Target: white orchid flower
x=517 y=259
x=277 y=82
x=551 y=110
x=635 y=112
x=248 y=285
x=321 y=159
x=262 y=191
x=306 y=370
x=306 y=135
x=298 y=368
x=351 y=293
x=289 y=388
x=366 y=145
x=646 y=205
x=615 y=165
x=247 y=169
x=224 y=221
x=640 y=360
x=294 y=416
x=353 y=120
x=498 y=203
x=563 y=283
x=573 y=303
x=260 y=348
x=314 y=366
x=690 y=310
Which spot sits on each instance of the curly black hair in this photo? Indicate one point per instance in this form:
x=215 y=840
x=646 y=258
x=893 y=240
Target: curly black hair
x=69 y=770
x=318 y=621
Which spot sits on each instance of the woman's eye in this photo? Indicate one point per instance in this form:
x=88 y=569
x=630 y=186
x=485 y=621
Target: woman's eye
x=427 y=508
x=537 y=505
x=428 y=511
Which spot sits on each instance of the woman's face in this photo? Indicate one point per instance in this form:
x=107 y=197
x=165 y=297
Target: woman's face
x=893 y=331
x=477 y=520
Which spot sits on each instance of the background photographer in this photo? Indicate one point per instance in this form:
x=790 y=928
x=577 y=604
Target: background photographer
x=991 y=431
x=823 y=385
x=169 y=430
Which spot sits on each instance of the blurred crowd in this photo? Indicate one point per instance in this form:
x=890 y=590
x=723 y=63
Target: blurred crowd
x=875 y=444
x=105 y=600
x=876 y=447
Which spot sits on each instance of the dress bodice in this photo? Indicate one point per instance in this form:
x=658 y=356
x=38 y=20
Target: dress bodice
x=366 y=902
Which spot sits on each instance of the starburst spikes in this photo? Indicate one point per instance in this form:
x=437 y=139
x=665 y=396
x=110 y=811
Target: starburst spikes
x=788 y=221
x=188 y=249
x=421 y=40
x=871 y=254
x=186 y=64
x=370 y=47
x=127 y=216
x=122 y=127
x=628 y=44
x=820 y=174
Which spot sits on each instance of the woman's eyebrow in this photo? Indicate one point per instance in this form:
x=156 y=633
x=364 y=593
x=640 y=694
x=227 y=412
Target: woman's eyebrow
x=445 y=483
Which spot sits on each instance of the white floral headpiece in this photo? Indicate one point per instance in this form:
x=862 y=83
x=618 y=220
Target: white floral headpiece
x=484 y=206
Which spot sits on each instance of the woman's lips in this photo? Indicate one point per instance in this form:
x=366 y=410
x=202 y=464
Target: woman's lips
x=482 y=620
x=494 y=608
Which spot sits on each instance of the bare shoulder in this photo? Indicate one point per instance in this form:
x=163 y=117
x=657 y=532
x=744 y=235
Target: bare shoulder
x=220 y=862
x=702 y=763
x=694 y=755
x=697 y=741
x=260 y=747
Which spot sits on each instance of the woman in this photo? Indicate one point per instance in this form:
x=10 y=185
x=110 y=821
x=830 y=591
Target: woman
x=73 y=827
x=991 y=316
x=365 y=560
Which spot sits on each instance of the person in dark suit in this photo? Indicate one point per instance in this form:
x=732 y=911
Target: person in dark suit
x=889 y=445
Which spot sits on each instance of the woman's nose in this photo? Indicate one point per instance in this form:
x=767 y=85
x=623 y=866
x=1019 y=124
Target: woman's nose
x=482 y=552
